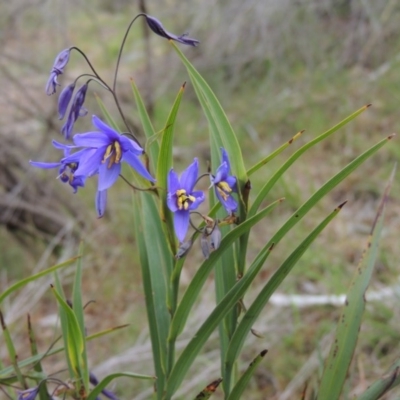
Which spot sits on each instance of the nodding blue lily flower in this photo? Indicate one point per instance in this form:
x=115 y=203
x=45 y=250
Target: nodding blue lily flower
x=57 y=69
x=157 y=27
x=181 y=198
x=76 y=110
x=225 y=184
x=28 y=394
x=102 y=154
x=94 y=381
x=67 y=170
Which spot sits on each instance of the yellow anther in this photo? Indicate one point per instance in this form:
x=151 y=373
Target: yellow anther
x=107 y=153
x=192 y=198
x=223 y=194
x=180 y=192
x=225 y=187
x=185 y=205
x=118 y=152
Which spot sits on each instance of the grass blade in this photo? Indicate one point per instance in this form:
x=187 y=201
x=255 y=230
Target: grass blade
x=341 y=352
x=25 y=281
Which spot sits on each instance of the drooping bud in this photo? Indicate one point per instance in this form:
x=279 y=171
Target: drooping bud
x=64 y=100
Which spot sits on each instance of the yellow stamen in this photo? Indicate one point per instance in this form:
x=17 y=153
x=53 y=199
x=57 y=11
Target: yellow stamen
x=222 y=193
x=107 y=153
x=118 y=152
x=225 y=187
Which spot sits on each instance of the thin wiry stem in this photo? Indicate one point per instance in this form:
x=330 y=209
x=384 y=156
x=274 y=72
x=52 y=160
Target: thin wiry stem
x=152 y=189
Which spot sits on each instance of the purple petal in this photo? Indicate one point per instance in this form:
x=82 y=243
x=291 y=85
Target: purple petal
x=225 y=158
x=189 y=176
x=137 y=165
x=171 y=202
x=181 y=224
x=46 y=165
x=101 y=203
x=199 y=196
x=229 y=204
x=100 y=125
x=222 y=173
x=64 y=100
x=52 y=83
x=173 y=182
x=62 y=146
x=108 y=176
x=62 y=60
x=90 y=161
x=92 y=139
x=231 y=181
x=130 y=145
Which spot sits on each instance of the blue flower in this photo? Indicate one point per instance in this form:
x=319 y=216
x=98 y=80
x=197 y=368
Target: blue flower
x=58 y=68
x=225 y=184
x=67 y=169
x=181 y=198
x=156 y=26
x=76 y=110
x=28 y=394
x=102 y=154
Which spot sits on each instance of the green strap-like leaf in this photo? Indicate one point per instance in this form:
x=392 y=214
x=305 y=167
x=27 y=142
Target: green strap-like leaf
x=213 y=110
x=261 y=300
x=102 y=385
x=189 y=354
x=74 y=340
x=152 y=308
x=349 y=323
x=242 y=383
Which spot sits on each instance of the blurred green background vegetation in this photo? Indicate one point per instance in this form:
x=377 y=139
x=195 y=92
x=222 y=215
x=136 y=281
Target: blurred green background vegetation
x=278 y=67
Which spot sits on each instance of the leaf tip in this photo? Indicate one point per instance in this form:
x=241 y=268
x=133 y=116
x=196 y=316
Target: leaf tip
x=340 y=206
x=391 y=136
x=264 y=352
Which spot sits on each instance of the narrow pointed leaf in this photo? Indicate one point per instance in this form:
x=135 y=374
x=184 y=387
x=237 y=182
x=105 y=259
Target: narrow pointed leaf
x=266 y=292
x=74 y=339
x=271 y=156
x=349 y=323
x=189 y=354
x=23 y=282
x=242 y=383
x=153 y=309
x=226 y=136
